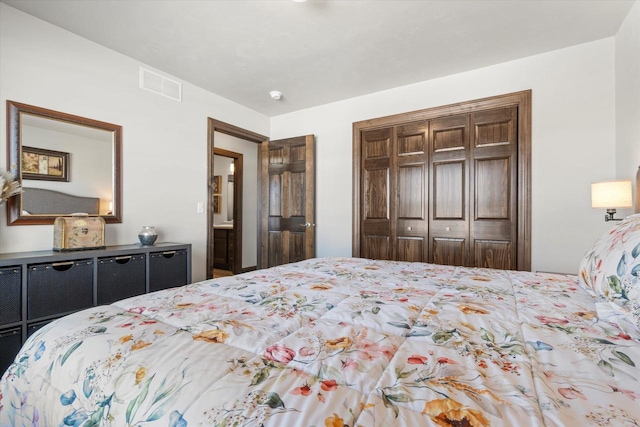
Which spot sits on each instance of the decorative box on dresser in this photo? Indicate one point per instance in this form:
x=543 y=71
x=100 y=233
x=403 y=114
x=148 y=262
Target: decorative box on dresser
x=38 y=287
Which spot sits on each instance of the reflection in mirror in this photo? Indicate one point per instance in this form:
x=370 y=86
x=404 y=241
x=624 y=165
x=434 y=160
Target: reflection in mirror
x=67 y=164
x=89 y=161
x=230 y=198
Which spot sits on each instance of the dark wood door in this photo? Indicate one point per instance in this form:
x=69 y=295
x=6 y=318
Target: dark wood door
x=442 y=190
x=377 y=158
x=410 y=188
x=474 y=189
x=472 y=184
x=288 y=201
x=394 y=209
x=493 y=180
x=449 y=190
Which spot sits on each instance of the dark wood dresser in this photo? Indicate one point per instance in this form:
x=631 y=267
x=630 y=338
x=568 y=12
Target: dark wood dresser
x=38 y=287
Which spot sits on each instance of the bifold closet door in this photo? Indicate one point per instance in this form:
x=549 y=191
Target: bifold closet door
x=493 y=181
x=410 y=188
x=376 y=207
x=394 y=206
x=449 y=195
x=442 y=191
x=446 y=185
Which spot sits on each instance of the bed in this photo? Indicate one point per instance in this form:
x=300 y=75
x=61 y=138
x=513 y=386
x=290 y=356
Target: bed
x=40 y=201
x=350 y=342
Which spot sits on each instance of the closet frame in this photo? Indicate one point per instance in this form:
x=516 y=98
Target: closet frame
x=521 y=100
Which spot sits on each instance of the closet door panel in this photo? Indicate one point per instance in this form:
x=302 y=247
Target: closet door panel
x=449 y=190
x=412 y=139
x=376 y=144
x=411 y=200
x=411 y=219
x=449 y=251
x=449 y=134
x=495 y=127
x=410 y=249
x=493 y=229
x=376 y=247
x=492 y=254
x=376 y=227
x=493 y=189
x=376 y=204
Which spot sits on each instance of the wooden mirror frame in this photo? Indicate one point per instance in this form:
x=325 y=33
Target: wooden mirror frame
x=14 y=150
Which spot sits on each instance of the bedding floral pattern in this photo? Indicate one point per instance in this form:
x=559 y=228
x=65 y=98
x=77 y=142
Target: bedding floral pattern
x=334 y=342
x=611 y=269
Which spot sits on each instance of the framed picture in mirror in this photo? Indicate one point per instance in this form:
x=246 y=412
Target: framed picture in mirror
x=45 y=165
x=217 y=203
x=217 y=184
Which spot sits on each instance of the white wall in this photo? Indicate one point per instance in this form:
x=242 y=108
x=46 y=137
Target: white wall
x=249 y=151
x=628 y=95
x=164 y=141
x=573 y=144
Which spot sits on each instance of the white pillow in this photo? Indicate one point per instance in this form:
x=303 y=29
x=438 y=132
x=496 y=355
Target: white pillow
x=611 y=268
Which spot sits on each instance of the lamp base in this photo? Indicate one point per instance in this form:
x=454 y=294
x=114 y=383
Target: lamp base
x=609 y=216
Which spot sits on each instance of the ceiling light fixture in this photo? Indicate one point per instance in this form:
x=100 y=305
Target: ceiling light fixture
x=275 y=94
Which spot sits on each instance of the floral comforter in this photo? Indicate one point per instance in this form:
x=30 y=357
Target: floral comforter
x=334 y=342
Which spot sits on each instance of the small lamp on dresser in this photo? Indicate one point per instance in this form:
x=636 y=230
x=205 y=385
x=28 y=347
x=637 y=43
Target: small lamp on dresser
x=611 y=195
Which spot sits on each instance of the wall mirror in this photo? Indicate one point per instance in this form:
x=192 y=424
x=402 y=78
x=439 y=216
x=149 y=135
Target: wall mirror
x=66 y=164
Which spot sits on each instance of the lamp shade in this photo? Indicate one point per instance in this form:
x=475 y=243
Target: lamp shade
x=611 y=194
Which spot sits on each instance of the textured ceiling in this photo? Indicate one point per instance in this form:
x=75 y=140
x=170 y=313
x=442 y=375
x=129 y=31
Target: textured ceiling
x=322 y=51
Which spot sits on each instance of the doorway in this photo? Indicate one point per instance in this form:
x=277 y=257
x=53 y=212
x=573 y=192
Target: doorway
x=227 y=211
x=245 y=183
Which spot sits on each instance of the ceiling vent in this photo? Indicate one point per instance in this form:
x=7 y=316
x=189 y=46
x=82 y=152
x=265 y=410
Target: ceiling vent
x=161 y=85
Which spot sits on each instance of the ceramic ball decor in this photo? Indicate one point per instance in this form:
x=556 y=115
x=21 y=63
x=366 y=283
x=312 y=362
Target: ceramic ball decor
x=147 y=235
